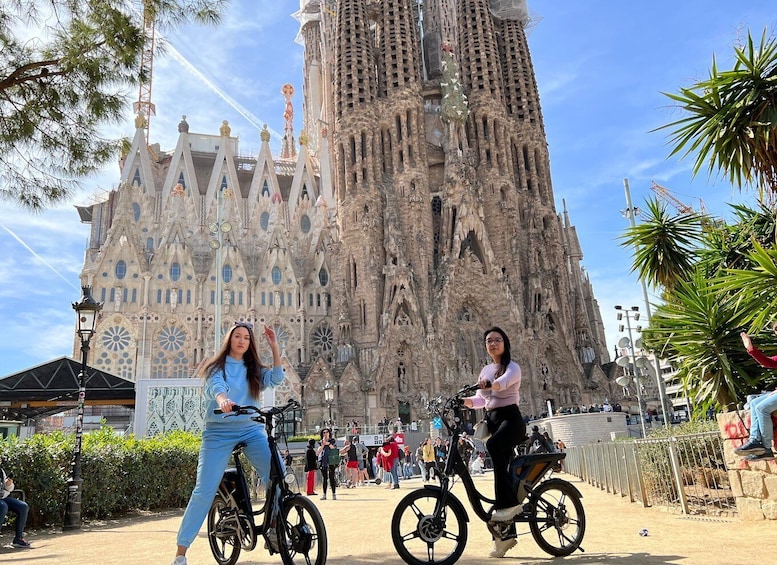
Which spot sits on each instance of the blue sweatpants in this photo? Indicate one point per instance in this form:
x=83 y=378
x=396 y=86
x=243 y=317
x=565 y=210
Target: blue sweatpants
x=761 y=408
x=217 y=444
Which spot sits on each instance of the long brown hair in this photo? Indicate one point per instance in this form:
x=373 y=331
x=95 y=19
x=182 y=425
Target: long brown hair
x=250 y=359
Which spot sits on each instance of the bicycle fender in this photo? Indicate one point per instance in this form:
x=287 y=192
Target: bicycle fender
x=454 y=502
x=562 y=481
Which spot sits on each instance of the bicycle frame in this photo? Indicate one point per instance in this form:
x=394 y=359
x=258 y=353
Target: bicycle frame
x=234 y=484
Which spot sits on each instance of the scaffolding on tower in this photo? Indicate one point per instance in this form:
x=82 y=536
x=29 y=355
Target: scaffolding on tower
x=144 y=108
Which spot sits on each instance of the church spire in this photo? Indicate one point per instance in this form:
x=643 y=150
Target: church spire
x=288 y=150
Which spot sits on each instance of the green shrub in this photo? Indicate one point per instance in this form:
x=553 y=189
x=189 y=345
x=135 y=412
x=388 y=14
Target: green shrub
x=698 y=454
x=119 y=474
x=686 y=428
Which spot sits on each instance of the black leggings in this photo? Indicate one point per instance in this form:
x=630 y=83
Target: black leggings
x=507 y=430
x=329 y=470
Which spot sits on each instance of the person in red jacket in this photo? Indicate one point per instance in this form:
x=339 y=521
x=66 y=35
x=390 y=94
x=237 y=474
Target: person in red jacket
x=759 y=445
x=389 y=451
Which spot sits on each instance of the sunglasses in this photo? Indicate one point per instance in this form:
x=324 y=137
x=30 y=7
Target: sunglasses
x=247 y=325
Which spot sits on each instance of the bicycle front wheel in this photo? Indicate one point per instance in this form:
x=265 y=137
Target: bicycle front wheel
x=223 y=531
x=420 y=537
x=303 y=536
x=559 y=524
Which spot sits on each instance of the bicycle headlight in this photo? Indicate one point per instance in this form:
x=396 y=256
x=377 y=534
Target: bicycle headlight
x=289 y=478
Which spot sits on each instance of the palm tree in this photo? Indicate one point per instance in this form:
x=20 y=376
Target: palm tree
x=728 y=246
x=698 y=330
x=755 y=289
x=732 y=126
x=665 y=246
x=721 y=279
x=717 y=281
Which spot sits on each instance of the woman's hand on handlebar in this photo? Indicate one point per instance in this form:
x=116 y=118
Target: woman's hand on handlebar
x=485 y=383
x=225 y=404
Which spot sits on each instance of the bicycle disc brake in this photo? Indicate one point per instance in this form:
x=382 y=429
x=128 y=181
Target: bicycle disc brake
x=430 y=529
x=300 y=539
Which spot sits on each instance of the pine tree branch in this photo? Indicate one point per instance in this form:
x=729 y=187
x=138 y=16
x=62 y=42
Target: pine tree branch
x=17 y=77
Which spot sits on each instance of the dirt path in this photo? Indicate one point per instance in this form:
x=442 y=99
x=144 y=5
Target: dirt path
x=358 y=526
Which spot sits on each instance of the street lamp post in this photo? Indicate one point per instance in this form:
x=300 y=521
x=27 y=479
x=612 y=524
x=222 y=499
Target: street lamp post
x=631 y=211
x=86 y=315
x=635 y=376
x=329 y=397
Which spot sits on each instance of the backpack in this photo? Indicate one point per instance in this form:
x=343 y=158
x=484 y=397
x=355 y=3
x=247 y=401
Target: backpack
x=538 y=446
x=333 y=456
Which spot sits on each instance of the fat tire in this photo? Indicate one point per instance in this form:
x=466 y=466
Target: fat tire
x=556 y=505
x=303 y=539
x=225 y=549
x=421 y=503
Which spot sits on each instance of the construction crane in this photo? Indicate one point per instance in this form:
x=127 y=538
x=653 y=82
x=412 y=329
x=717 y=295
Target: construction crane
x=664 y=194
x=144 y=107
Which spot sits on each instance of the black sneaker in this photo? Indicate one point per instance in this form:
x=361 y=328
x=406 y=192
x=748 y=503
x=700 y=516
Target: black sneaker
x=767 y=455
x=21 y=543
x=271 y=540
x=752 y=447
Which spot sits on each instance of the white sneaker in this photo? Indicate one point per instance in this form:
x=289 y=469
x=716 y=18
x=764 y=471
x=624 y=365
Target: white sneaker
x=323 y=496
x=505 y=514
x=179 y=560
x=502 y=546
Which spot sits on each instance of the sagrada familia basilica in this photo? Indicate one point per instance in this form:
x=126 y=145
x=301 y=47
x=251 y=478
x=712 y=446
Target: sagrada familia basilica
x=414 y=210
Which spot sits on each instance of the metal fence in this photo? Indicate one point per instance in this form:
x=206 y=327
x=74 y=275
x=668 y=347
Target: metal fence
x=685 y=473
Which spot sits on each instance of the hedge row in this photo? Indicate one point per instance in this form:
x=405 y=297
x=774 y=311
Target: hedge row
x=120 y=474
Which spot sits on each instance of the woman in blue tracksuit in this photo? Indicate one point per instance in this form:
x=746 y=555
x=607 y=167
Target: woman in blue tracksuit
x=234 y=376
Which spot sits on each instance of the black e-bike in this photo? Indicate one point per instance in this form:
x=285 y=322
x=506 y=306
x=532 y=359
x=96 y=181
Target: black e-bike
x=429 y=525
x=289 y=522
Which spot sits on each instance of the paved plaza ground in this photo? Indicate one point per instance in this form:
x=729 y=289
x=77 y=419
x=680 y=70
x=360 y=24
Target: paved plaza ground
x=358 y=526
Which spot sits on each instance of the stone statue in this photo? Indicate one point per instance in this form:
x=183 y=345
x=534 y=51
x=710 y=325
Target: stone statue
x=225 y=130
x=183 y=125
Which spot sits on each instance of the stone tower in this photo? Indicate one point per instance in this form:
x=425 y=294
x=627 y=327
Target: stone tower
x=417 y=213
x=445 y=210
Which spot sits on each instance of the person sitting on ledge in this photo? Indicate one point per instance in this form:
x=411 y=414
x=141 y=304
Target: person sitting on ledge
x=759 y=445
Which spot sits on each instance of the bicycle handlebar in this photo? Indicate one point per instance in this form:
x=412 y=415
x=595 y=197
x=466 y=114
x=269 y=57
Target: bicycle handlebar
x=265 y=412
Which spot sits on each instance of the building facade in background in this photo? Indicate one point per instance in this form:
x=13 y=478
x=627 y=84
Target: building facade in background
x=415 y=211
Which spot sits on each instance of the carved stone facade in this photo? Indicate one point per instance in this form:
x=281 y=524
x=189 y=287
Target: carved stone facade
x=418 y=212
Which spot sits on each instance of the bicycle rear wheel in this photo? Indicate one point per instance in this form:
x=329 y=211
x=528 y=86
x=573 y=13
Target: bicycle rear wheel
x=223 y=532
x=560 y=518
x=303 y=536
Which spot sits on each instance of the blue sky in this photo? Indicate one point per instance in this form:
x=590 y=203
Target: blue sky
x=601 y=66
